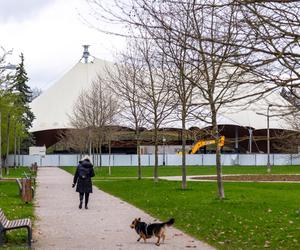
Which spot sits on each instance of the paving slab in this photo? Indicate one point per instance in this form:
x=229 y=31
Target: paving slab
x=62 y=225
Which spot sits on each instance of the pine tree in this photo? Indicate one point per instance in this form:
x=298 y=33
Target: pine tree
x=24 y=92
x=20 y=82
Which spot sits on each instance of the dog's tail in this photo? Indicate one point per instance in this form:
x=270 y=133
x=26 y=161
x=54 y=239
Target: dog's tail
x=170 y=222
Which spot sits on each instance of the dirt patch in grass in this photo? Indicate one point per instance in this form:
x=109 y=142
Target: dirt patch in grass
x=266 y=177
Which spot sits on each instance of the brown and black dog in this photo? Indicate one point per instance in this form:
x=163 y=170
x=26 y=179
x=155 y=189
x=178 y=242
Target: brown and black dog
x=146 y=231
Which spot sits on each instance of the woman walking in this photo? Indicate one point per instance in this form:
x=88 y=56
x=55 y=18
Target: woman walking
x=82 y=177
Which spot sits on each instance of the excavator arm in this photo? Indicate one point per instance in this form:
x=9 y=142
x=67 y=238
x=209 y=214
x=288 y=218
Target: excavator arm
x=203 y=143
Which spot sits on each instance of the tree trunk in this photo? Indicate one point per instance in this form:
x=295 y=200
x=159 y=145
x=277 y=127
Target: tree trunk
x=156 y=155
x=19 y=151
x=97 y=154
x=100 y=152
x=15 y=146
x=109 y=153
x=7 y=144
x=93 y=153
x=221 y=193
x=138 y=149
x=90 y=143
x=184 y=184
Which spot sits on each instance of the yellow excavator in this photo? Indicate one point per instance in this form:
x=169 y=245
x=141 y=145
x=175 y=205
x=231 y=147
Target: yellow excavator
x=203 y=143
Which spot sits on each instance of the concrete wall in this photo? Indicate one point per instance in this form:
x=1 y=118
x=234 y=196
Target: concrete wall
x=170 y=160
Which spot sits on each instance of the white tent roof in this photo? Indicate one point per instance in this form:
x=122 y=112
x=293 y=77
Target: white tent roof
x=52 y=108
x=255 y=114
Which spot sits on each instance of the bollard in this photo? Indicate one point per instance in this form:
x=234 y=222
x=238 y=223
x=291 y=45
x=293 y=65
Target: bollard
x=34 y=167
x=26 y=190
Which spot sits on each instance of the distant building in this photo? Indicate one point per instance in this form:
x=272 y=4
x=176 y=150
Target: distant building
x=244 y=130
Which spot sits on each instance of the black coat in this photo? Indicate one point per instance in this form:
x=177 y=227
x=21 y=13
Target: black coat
x=83 y=175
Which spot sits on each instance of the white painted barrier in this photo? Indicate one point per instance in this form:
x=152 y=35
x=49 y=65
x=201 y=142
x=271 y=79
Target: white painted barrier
x=170 y=160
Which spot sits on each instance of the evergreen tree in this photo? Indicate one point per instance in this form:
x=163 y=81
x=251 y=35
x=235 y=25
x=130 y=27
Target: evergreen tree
x=16 y=116
x=24 y=92
x=20 y=81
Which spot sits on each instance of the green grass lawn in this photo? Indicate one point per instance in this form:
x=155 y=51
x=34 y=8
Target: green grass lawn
x=14 y=208
x=16 y=173
x=102 y=172
x=253 y=215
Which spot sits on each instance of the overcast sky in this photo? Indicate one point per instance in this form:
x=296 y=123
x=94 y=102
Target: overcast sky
x=50 y=33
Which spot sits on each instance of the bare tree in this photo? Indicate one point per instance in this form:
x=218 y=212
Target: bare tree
x=75 y=139
x=4 y=66
x=156 y=97
x=275 y=27
x=222 y=66
x=95 y=110
x=3 y=79
x=176 y=52
x=123 y=81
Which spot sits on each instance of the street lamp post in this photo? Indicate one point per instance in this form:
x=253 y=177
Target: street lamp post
x=268 y=138
x=164 y=151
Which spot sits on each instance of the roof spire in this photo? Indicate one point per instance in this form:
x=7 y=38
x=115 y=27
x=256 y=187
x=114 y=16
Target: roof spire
x=86 y=53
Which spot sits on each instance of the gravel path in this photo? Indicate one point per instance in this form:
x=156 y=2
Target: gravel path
x=105 y=225
x=269 y=178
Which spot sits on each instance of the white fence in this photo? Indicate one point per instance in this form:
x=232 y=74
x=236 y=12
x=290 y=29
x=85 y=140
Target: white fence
x=170 y=160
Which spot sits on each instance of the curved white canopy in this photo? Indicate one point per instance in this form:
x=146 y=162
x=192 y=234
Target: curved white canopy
x=52 y=108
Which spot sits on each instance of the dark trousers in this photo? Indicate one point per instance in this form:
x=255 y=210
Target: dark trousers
x=86 y=197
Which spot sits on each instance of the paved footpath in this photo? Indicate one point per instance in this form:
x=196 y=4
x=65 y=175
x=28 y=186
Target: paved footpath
x=61 y=224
